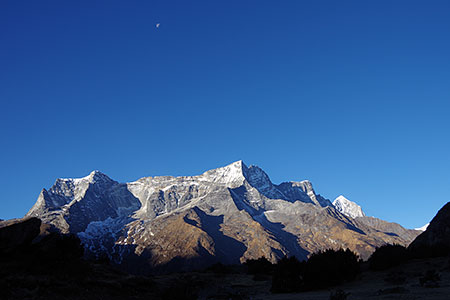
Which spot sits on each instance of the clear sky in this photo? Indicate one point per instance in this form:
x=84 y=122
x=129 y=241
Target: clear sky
x=352 y=95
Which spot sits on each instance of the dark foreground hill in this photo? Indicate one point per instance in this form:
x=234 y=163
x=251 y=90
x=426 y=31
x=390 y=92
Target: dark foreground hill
x=435 y=240
x=38 y=263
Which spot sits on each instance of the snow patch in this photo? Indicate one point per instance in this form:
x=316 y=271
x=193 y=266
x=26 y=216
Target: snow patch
x=423 y=228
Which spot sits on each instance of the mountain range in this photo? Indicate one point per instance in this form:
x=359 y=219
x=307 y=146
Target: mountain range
x=228 y=215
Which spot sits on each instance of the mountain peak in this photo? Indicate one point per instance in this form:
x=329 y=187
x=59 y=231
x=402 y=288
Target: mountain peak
x=239 y=164
x=231 y=174
x=96 y=175
x=341 y=198
x=93 y=177
x=259 y=179
x=347 y=207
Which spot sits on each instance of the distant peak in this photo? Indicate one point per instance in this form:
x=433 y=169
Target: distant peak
x=94 y=176
x=423 y=228
x=347 y=207
x=97 y=176
x=97 y=173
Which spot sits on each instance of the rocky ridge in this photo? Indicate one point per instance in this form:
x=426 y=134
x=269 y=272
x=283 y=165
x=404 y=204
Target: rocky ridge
x=229 y=214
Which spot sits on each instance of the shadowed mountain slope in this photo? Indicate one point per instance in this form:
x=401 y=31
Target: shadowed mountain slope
x=435 y=240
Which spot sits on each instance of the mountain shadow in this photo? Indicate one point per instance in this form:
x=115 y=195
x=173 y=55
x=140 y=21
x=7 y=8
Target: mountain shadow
x=354 y=228
x=181 y=264
x=228 y=250
x=286 y=239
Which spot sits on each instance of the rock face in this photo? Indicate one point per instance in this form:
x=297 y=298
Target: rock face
x=229 y=214
x=72 y=204
x=435 y=240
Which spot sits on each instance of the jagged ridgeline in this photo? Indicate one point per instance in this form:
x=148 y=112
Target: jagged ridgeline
x=228 y=215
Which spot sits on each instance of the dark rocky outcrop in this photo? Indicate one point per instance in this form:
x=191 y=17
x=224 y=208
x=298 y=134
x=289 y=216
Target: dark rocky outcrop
x=17 y=234
x=435 y=241
x=38 y=264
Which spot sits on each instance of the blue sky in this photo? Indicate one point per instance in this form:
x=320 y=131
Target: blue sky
x=352 y=95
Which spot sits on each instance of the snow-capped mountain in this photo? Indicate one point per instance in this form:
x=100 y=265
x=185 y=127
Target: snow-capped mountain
x=72 y=204
x=347 y=207
x=354 y=211
x=229 y=214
